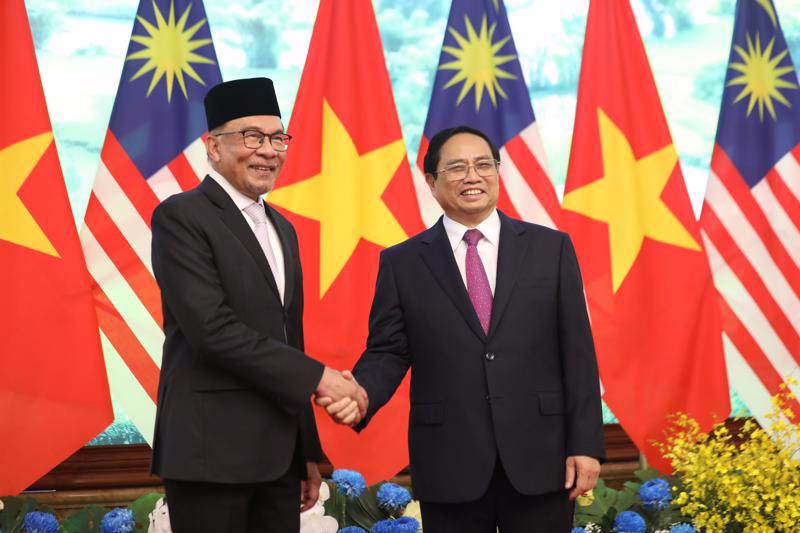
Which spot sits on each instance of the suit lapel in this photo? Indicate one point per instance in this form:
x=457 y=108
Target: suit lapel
x=235 y=221
x=438 y=256
x=288 y=256
x=510 y=256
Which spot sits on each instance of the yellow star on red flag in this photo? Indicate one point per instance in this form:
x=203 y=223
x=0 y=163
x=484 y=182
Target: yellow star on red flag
x=17 y=224
x=345 y=197
x=628 y=199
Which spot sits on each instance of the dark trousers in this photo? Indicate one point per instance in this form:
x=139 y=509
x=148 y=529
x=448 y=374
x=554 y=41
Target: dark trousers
x=501 y=507
x=269 y=507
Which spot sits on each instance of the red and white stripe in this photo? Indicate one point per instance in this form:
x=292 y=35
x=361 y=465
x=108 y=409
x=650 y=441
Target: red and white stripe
x=752 y=237
x=116 y=241
x=526 y=192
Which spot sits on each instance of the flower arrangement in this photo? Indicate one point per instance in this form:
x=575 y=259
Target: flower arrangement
x=25 y=515
x=745 y=481
x=645 y=507
x=315 y=520
x=380 y=508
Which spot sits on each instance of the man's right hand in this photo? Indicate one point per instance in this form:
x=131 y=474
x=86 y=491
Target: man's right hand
x=335 y=386
x=348 y=410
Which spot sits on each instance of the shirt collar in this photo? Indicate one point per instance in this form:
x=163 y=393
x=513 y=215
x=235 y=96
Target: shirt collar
x=238 y=198
x=490 y=228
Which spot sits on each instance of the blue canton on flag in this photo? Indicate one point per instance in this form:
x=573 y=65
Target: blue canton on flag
x=479 y=83
x=159 y=106
x=154 y=148
x=751 y=215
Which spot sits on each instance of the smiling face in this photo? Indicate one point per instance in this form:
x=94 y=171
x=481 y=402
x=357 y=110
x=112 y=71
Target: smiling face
x=471 y=200
x=251 y=171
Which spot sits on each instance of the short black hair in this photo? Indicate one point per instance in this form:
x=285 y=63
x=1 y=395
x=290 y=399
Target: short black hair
x=431 y=160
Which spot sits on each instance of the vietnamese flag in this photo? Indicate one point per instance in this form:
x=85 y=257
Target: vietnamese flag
x=651 y=298
x=347 y=189
x=53 y=391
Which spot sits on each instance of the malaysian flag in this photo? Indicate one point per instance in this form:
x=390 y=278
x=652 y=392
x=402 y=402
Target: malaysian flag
x=751 y=216
x=479 y=83
x=153 y=149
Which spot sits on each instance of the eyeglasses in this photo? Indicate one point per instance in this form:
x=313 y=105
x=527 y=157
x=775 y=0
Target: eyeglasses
x=486 y=168
x=254 y=139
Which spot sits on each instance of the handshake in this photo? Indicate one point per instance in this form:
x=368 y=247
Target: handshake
x=342 y=397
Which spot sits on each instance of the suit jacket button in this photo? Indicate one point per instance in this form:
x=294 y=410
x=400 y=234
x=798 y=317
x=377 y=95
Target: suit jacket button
x=489 y=356
x=488 y=398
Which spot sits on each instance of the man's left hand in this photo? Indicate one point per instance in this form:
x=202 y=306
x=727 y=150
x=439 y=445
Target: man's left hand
x=309 y=488
x=582 y=474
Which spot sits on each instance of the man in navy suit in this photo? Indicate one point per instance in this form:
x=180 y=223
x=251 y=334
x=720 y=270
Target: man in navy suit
x=505 y=425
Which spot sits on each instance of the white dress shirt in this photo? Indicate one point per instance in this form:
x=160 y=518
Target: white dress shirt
x=488 y=246
x=242 y=202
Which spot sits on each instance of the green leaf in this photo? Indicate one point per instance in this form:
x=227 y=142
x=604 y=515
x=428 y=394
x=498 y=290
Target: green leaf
x=143 y=506
x=17 y=508
x=646 y=474
x=625 y=500
x=333 y=506
x=10 y=516
x=87 y=520
x=632 y=486
x=364 y=510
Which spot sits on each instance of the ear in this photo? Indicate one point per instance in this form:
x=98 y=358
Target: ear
x=431 y=181
x=212 y=148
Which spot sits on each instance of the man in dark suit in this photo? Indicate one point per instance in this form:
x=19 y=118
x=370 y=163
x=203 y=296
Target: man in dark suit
x=489 y=312
x=235 y=437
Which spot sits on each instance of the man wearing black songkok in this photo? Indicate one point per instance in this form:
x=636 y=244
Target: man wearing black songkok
x=235 y=438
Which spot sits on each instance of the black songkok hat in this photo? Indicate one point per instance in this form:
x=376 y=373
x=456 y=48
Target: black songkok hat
x=240 y=98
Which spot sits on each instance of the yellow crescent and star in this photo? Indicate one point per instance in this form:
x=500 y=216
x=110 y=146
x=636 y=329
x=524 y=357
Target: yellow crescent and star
x=169 y=49
x=761 y=74
x=477 y=61
x=628 y=199
x=345 y=196
x=17 y=223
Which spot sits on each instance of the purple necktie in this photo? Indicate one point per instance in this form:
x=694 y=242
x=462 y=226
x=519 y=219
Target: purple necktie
x=477 y=281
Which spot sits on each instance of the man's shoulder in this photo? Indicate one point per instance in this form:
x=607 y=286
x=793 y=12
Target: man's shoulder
x=412 y=244
x=183 y=203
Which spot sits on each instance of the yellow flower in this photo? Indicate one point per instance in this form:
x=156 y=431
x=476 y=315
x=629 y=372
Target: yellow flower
x=752 y=486
x=586 y=500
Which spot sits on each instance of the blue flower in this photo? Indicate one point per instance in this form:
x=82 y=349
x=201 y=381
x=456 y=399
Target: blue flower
x=352 y=529
x=118 y=520
x=392 y=496
x=682 y=528
x=349 y=482
x=629 y=522
x=382 y=526
x=404 y=524
x=38 y=522
x=578 y=530
x=655 y=494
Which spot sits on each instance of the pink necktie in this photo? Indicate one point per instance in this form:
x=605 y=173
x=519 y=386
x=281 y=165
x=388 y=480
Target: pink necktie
x=258 y=215
x=480 y=293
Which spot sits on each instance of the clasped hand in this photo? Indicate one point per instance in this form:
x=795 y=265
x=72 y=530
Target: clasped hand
x=342 y=397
